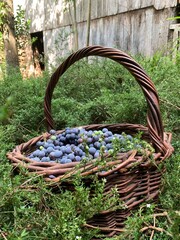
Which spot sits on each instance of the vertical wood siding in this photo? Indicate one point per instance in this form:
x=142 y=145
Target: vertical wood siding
x=138 y=26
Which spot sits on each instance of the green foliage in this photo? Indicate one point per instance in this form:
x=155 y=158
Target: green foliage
x=74 y=208
x=22 y=25
x=5 y=110
x=31 y=210
x=25 y=111
x=174 y=18
x=101 y=96
x=94 y=92
x=3 y=14
x=171 y=196
x=3 y=20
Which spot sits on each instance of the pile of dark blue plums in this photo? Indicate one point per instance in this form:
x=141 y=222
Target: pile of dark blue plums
x=74 y=145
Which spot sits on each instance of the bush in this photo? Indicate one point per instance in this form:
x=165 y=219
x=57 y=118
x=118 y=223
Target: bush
x=85 y=95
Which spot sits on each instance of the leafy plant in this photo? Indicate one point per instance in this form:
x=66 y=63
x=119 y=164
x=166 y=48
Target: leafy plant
x=173 y=18
x=31 y=210
x=22 y=25
x=3 y=14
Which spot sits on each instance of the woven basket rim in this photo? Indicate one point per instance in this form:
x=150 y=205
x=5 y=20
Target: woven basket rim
x=126 y=161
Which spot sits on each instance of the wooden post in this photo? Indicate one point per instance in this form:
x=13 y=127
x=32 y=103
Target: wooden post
x=176 y=39
x=88 y=22
x=75 y=26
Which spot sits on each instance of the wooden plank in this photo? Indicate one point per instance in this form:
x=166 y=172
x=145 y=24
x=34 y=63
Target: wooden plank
x=48 y=14
x=159 y=4
x=133 y=26
x=35 y=12
x=175 y=40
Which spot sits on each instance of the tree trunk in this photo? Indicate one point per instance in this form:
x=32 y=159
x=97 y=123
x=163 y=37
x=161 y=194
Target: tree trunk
x=11 y=54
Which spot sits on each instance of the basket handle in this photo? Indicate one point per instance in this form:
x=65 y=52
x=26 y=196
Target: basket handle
x=154 y=122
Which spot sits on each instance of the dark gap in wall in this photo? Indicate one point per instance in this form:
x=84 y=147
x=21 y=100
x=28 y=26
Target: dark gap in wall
x=178 y=12
x=38 y=50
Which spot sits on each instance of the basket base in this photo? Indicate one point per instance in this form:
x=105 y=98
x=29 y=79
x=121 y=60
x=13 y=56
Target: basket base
x=134 y=188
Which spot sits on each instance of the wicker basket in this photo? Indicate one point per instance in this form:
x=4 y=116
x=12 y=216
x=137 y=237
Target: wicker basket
x=135 y=183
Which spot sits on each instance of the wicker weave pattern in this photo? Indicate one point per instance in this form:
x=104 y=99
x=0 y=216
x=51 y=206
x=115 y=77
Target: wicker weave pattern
x=137 y=179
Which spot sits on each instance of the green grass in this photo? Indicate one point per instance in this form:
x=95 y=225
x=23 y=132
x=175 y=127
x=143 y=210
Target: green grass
x=96 y=93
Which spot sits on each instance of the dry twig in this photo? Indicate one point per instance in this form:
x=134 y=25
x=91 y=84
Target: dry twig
x=104 y=228
x=154 y=224
x=169 y=103
x=154 y=228
x=3 y=235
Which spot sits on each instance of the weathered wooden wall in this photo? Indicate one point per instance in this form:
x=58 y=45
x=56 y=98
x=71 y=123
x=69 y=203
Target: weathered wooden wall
x=135 y=26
